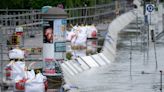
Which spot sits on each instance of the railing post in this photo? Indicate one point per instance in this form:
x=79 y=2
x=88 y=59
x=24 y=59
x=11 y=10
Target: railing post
x=1 y=59
x=161 y=80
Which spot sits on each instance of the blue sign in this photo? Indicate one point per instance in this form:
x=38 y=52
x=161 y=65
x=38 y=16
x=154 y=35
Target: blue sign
x=60 y=46
x=150 y=7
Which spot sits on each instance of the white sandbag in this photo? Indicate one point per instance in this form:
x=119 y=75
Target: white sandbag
x=30 y=75
x=16 y=53
x=91 y=31
x=74 y=28
x=83 y=29
x=18 y=71
x=74 y=38
x=91 y=45
x=81 y=39
x=36 y=84
x=70 y=36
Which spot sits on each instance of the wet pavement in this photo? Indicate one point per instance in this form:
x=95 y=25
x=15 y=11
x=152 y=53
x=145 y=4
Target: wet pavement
x=116 y=77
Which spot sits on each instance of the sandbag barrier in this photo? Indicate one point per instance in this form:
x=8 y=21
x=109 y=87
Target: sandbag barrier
x=73 y=67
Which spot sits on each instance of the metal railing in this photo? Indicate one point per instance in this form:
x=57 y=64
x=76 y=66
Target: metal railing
x=31 y=19
x=86 y=15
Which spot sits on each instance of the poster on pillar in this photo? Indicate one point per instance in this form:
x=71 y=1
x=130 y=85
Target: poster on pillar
x=60 y=41
x=59 y=29
x=48 y=48
x=48 y=32
x=48 y=59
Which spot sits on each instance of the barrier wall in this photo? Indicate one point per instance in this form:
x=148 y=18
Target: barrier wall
x=107 y=55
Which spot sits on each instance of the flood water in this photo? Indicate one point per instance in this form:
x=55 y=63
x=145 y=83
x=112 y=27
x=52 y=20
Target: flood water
x=116 y=77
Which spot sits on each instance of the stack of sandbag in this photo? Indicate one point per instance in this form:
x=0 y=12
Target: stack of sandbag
x=81 y=32
x=78 y=35
x=17 y=64
x=22 y=78
x=81 y=37
x=17 y=68
x=35 y=82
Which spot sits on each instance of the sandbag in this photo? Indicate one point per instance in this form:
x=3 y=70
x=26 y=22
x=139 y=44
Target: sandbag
x=83 y=29
x=82 y=35
x=17 y=71
x=20 y=85
x=70 y=36
x=81 y=39
x=30 y=74
x=8 y=72
x=91 y=31
x=17 y=74
x=36 y=84
x=74 y=28
x=16 y=53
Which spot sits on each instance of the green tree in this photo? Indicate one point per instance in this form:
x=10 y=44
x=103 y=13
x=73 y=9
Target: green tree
x=37 y=4
x=40 y=3
x=11 y=4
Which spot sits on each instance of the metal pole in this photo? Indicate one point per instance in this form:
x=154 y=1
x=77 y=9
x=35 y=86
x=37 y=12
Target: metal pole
x=1 y=69
x=1 y=59
x=148 y=43
x=144 y=10
x=150 y=18
x=137 y=25
x=95 y=11
x=131 y=59
x=85 y=13
x=161 y=80
x=155 y=55
x=153 y=40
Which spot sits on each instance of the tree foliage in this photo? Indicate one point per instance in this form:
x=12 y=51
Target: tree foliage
x=37 y=4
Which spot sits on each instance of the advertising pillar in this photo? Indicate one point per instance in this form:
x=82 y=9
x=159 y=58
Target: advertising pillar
x=54 y=43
